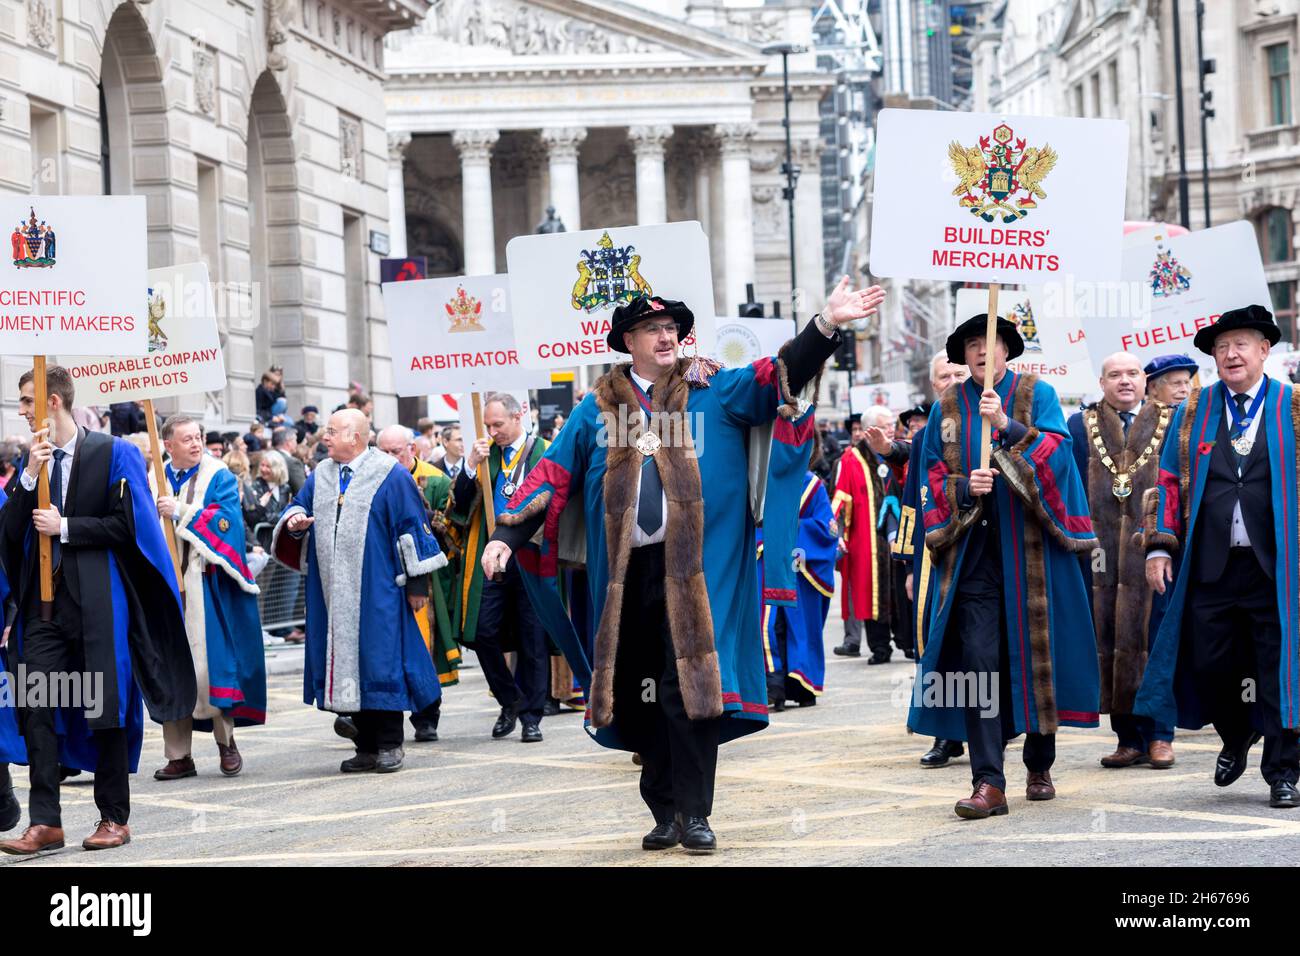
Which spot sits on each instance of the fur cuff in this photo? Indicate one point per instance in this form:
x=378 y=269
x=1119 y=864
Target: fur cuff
x=790 y=405
x=413 y=564
x=295 y=559
x=943 y=538
x=198 y=544
x=538 y=503
x=1153 y=540
x=1020 y=476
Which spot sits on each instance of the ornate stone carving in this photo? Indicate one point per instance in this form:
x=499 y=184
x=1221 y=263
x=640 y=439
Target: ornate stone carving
x=40 y=23
x=765 y=160
x=734 y=138
x=398 y=143
x=757 y=26
x=350 y=159
x=769 y=215
x=474 y=145
x=648 y=141
x=205 y=80
x=612 y=199
x=279 y=14
x=563 y=142
x=524 y=30
x=808 y=152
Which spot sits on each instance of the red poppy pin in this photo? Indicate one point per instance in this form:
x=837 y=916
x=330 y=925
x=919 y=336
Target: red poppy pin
x=1204 y=448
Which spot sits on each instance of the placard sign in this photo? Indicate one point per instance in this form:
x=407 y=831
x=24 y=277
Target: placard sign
x=567 y=284
x=184 y=356
x=455 y=334
x=1174 y=287
x=982 y=197
x=744 y=341
x=895 y=396
x=75 y=278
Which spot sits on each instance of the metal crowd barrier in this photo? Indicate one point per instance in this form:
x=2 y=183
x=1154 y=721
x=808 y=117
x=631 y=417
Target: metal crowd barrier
x=282 y=603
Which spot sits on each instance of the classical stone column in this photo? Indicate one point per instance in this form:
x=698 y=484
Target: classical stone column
x=810 y=263
x=738 y=210
x=562 y=159
x=475 y=148
x=651 y=190
x=397 y=146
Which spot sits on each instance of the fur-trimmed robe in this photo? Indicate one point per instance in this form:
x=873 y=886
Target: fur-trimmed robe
x=221 y=617
x=1043 y=528
x=710 y=590
x=1169 y=690
x=865 y=568
x=1121 y=598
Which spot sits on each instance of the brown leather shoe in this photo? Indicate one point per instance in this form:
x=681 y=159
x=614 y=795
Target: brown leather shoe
x=231 y=761
x=1124 y=757
x=34 y=840
x=176 y=769
x=1038 y=786
x=107 y=836
x=1161 y=753
x=986 y=801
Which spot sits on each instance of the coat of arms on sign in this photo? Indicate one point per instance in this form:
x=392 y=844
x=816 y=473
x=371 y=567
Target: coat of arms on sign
x=608 y=275
x=1023 y=315
x=464 y=310
x=33 y=244
x=157 y=312
x=1168 y=276
x=989 y=175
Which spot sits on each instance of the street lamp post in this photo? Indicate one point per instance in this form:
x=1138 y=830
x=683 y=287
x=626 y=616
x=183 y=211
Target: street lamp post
x=1184 y=213
x=791 y=171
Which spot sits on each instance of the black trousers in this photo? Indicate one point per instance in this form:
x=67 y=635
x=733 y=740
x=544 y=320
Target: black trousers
x=679 y=756
x=503 y=606
x=1235 y=637
x=428 y=717
x=55 y=647
x=377 y=730
x=901 y=612
x=978 y=618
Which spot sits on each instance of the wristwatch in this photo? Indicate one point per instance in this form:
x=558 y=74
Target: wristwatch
x=828 y=329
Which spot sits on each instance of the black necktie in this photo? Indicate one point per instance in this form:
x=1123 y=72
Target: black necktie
x=650 y=509
x=56 y=499
x=345 y=478
x=1127 y=419
x=1241 y=401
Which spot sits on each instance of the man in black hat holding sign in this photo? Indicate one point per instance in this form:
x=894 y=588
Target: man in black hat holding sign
x=1221 y=535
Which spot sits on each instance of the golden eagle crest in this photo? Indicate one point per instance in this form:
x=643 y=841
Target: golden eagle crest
x=991 y=174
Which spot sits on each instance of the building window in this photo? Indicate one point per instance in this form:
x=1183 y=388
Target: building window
x=1094 y=82
x=1275 y=229
x=1112 y=70
x=1078 y=101
x=1283 y=295
x=1278 y=57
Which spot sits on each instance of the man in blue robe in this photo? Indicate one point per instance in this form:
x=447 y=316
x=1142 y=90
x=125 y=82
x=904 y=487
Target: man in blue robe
x=115 y=619
x=1010 y=647
x=1228 y=648
x=221 y=617
x=358 y=530
x=653 y=456
x=793 y=644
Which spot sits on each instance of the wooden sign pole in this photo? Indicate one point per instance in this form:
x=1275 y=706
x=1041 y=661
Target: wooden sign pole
x=160 y=476
x=990 y=342
x=484 y=476
x=45 y=548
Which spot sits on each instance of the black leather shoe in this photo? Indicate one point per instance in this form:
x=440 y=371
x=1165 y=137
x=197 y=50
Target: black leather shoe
x=846 y=650
x=1283 y=795
x=345 y=727
x=551 y=708
x=532 y=733
x=879 y=659
x=505 y=725
x=426 y=734
x=942 y=752
x=361 y=763
x=1231 y=763
x=389 y=761
x=776 y=705
x=11 y=810
x=664 y=836
x=910 y=654
x=697 y=838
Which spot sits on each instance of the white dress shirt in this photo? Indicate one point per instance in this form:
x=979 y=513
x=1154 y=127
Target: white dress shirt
x=453 y=469
x=1238 y=537
x=639 y=537
x=29 y=483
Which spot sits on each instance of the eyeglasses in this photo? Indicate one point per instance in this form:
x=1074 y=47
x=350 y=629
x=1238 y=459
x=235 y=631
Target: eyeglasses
x=655 y=328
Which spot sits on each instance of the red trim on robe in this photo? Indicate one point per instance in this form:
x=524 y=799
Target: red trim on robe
x=939 y=512
x=218 y=544
x=1169 y=482
x=1076 y=524
x=789 y=433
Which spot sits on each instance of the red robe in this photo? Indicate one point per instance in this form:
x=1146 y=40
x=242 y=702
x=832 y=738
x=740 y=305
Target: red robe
x=19 y=244
x=864 y=567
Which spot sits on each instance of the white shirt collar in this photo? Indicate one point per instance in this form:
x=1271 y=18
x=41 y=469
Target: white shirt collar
x=448 y=464
x=642 y=383
x=518 y=443
x=355 y=461
x=1252 y=391
x=71 y=446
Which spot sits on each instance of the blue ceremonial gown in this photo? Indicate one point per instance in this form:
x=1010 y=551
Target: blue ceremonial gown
x=77 y=747
x=805 y=650
x=364 y=649
x=720 y=416
x=1043 y=526
x=1169 y=692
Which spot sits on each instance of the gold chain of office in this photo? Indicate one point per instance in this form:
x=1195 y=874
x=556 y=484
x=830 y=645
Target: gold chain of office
x=1122 y=485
